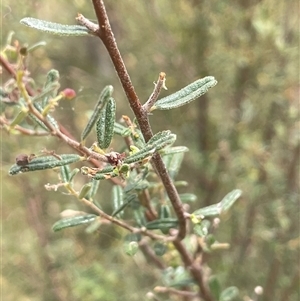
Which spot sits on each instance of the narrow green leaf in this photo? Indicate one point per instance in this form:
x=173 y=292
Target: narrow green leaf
x=84 y=190
x=73 y=174
x=164 y=214
x=51 y=87
x=183 y=282
x=215 y=287
x=138 y=214
x=181 y=183
x=38 y=122
x=55 y=28
x=220 y=207
x=162 y=224
x=161 y=140
x=230 y=199
x=45 y=162
x=174 y=150
x=136 y=181
x=140 y=155
x=128 y=199
x=121 y=130
x=47 y=92
x=100 y=127
x=73 y=221
x=117 y=200
x=93 y=191
x=102 y=100
x=174 y=164
x=185 y=95
x=100 y=175
x=229 y=293
x=49 y=117
x=211 y=210
x=164 y=211
x=187 y=197
x=94 y=226
x=19 y=118
x=36 y=45
x=110 y=116
x=138 y=138
x=105 y=124
x=65 y=173
x=156 y=143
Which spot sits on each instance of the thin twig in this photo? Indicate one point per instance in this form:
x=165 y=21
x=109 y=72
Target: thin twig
x=154 y=95
x=149 y=253
x=24 y=131
x=113 y=219
x=162 y=289
x=92 y=27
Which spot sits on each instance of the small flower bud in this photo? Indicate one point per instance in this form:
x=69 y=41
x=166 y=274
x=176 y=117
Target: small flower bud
x=68 y=93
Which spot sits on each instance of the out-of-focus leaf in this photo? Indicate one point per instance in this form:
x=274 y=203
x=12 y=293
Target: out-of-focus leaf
x=160 y=248
x=187 y=197
x=131 y=248
x=230 y=199
x=55 y=28
x=215 y=287
x=117 y=200
x=165 y=223
x=209 y=210
x=229 y=293
x=84 y=190
x=177 y=277
x=201 y=229
x=93 y=191
x=173 y=163
x=174 y=150
x=94 y=226
x=220 y=207
x=73 y=221
x=36 y=45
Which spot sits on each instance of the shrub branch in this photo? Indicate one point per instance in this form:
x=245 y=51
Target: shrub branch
x=106 y=35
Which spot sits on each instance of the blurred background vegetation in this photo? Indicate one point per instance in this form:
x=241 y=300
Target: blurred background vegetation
x=243 y=134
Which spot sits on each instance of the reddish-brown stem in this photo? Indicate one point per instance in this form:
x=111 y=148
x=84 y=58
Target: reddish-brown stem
x=108 y=39
x=195 y=270
x=154 y=95
x=24 y=131
x=162 y=289
x=150 y=255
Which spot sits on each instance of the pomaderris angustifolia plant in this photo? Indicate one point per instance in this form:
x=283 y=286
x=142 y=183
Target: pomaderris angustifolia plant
x=145 y=200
